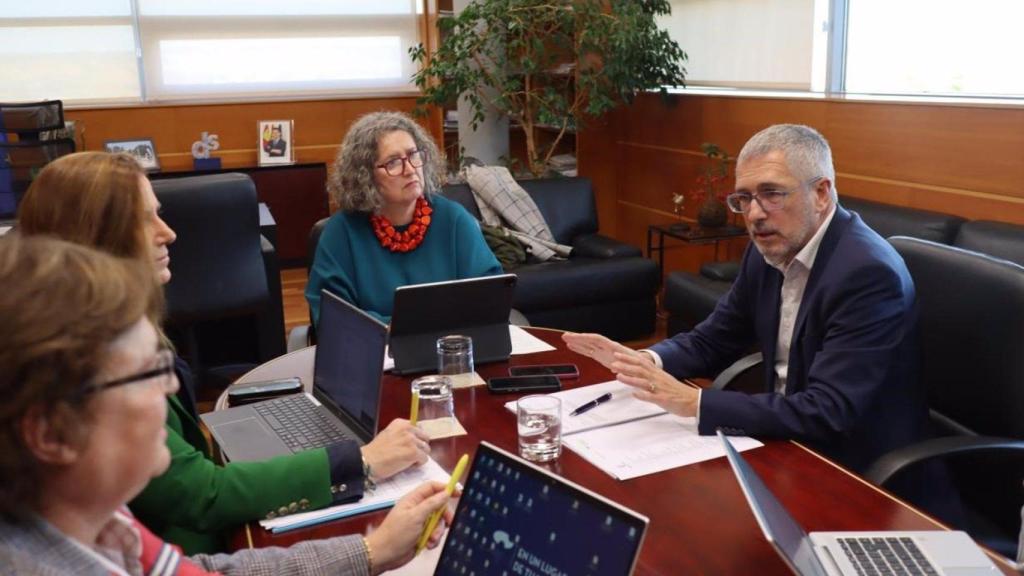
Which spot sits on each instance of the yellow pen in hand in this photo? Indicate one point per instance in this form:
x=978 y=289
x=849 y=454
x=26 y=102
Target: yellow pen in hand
x=414 y=410
x=432 y=521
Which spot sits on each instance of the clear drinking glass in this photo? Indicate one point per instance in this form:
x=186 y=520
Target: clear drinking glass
x=436 y=400
x=540 y=427
x=455 y=359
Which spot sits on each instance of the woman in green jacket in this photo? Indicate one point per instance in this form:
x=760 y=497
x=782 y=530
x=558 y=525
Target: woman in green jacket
x=105 y=201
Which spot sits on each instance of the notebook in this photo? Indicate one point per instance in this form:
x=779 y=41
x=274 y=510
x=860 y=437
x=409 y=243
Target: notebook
x=517 y=518
x=344 y=404
x=854 y=553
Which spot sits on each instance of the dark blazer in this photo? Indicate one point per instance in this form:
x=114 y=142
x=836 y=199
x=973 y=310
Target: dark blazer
x=852 y=389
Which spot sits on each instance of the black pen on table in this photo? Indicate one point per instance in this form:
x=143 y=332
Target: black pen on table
x=592 y=404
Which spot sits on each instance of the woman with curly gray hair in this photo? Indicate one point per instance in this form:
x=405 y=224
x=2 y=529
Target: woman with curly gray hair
x=393 y=229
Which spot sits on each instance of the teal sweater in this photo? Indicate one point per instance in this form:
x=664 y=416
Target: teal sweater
x=351 y=263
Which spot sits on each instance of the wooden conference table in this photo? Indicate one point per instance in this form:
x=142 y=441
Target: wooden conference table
x=699 y=520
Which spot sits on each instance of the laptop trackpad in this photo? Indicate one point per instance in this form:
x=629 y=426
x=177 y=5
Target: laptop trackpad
x=250 y=440
x=954 y=552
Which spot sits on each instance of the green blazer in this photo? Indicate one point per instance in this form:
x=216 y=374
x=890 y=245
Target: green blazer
x=196 y=501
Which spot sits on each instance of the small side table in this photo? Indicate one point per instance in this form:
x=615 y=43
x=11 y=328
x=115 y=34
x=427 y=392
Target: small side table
x=693 y=234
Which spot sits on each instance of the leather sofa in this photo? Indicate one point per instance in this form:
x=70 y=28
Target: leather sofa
x=690 y=298
x=605 y=286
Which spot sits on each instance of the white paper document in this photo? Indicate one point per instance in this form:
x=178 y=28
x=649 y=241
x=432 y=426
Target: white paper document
x=647 y=446
x=383 y=496
x=623 y=407
x=525 y=343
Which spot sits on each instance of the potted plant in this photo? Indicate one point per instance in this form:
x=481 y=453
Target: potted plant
x=549 y=63
x=711 y=187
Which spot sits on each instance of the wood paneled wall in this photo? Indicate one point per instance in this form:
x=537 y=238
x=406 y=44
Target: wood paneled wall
x=319 y=127
x=958 y=159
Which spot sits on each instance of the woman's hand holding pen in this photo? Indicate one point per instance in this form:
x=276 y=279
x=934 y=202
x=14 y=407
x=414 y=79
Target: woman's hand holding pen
x=654 y=384
x=393 y=543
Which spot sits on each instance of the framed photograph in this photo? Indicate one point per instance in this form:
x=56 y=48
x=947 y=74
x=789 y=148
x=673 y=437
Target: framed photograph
x=141 y=148
x=275 y=142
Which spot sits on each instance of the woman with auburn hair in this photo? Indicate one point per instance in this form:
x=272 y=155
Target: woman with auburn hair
x=81 y=430
x=393 y=228
x=105 y=201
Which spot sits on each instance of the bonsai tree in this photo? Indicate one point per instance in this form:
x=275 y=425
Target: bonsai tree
x=551 y=63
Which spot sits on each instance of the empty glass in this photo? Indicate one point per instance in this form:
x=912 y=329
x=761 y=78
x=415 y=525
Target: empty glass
x=436 y=402
x=455 y=359
x=540 y=427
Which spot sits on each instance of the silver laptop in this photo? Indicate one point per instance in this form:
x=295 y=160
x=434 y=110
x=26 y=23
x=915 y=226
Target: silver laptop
x=517 y=518
x=344 y=404
x=855 y=553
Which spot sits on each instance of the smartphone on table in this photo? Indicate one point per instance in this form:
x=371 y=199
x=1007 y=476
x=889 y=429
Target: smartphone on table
x=262 y=390
x=561 y=371
x=510 y=384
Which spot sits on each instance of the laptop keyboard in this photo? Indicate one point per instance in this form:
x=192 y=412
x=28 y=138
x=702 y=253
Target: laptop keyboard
x=299 y=422
x=885 y=556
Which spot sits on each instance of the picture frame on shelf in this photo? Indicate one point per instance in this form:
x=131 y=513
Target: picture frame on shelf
x=142 y=149
x=275 y=144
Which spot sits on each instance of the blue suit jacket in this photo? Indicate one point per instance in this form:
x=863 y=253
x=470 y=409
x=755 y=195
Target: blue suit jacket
x=852 y=389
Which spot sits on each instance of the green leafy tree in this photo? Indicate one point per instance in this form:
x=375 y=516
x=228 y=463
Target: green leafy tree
x=551 y=63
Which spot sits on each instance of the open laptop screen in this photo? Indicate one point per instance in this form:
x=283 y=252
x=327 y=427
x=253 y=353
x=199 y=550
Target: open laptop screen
x=778 y=525
x=515 y=518
x=349 y=361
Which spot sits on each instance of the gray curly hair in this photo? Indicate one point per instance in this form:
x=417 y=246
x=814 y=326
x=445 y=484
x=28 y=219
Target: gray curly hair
x=352 y=184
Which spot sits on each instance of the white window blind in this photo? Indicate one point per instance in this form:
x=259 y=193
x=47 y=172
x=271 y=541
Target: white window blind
x=86 y=51
x=928 y=47
x=269 y=48
x=745 y=43
x=72 y=50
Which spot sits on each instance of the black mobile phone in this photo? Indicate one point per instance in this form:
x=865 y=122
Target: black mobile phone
x=256 y=391
x=508 y=384
x=562 y=371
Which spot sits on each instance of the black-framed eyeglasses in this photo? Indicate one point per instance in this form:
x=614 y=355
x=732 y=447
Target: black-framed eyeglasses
x=164 y=372
x=769 y=199
x=396 y=166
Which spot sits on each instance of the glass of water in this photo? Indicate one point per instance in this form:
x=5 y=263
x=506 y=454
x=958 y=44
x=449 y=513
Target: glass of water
x=436 y=405
x=455 y=359
x=540 y=427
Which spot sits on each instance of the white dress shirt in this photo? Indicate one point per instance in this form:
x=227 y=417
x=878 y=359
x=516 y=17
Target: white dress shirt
x=795 y=276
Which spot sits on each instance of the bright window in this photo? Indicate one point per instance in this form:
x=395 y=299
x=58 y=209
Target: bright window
x=85 y=51
x=929 y=47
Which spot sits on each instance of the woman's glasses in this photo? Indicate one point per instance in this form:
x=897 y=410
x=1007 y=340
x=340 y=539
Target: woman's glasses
x=396 y=166
x=164 y=373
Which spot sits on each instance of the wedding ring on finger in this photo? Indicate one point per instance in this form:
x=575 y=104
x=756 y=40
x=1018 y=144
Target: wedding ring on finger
x=651 y=386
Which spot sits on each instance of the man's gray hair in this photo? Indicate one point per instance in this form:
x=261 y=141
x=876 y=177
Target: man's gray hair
x=807 y=153
x=352 y=184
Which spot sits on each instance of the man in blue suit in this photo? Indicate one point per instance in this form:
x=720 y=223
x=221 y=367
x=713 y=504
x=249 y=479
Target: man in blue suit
x=828 y=301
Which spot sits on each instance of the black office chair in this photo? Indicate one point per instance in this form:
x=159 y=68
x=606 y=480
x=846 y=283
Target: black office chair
x=26 y=145
x=220 y=312
x=972 y=364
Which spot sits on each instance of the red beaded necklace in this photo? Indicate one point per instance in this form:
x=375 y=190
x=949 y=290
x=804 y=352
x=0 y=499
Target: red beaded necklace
x=410 y=238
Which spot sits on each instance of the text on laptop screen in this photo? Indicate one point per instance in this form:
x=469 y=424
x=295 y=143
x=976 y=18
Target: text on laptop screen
x=349 y=360
x=514 y=520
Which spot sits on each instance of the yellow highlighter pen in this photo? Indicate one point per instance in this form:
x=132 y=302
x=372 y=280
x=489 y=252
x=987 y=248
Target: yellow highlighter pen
x=414 y=410
x=436 y=516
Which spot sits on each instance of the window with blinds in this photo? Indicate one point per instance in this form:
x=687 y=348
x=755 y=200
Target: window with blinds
x=167 y=50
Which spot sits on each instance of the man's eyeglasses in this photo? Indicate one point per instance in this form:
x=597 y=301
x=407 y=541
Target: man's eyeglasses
x=164 y=372
x=769 y=199
x=396 y=166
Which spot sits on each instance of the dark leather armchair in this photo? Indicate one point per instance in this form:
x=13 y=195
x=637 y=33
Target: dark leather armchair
x=605 y=286
x=220 y=309
x=972 y=364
